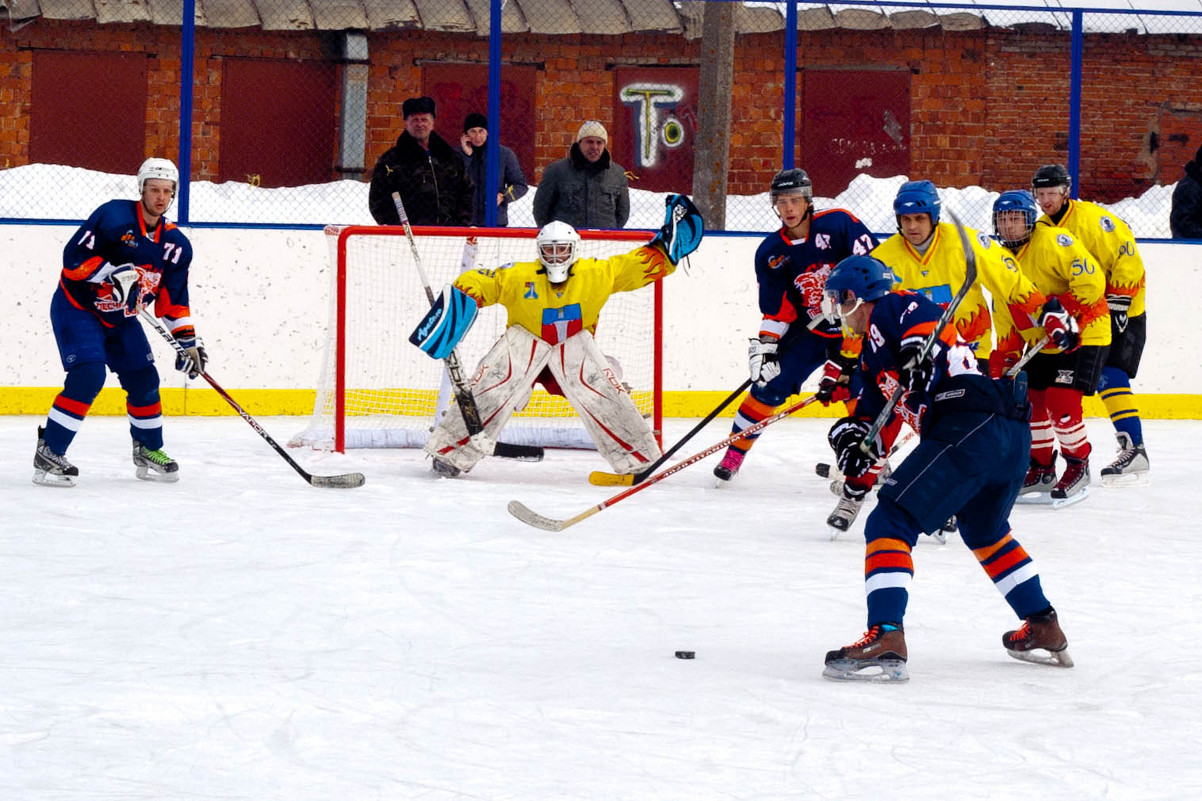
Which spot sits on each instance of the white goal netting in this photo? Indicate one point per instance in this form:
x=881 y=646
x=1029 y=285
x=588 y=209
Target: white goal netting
x=376 y=390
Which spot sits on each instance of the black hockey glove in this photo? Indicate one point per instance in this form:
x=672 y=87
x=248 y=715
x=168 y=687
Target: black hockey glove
x=917 y=375
x=845 y=438
x=1119 y=306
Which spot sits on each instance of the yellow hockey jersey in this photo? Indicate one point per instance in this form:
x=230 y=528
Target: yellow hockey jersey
x=1112 y=244
x=939 y=274
x=1062 y=268
x=523 y=289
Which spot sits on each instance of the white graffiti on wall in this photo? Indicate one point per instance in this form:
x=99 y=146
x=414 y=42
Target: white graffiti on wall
x=655 y=123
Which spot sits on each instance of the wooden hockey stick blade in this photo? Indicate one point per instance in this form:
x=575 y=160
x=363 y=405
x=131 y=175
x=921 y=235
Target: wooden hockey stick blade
x=530 y=518
x=343 y=481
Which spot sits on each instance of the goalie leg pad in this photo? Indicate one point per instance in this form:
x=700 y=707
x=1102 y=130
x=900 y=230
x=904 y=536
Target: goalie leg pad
x=502 y=385
x=609 y=414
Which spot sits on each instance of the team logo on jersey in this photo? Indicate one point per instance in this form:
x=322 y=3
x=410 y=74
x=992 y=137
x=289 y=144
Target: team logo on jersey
x=811 y=284
x=130 y=239
x=822 y=241
x=1108 y=225
x=1064 y=240
x=1064 y=376
x=559 y=324
x=985 y=242
x=777 y=261
x=530 y=293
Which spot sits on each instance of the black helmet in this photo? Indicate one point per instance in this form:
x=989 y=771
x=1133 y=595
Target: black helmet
x=791 y=182
x=1051 y=175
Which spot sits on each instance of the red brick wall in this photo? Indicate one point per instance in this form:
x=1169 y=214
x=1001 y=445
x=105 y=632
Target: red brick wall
x=987 y=107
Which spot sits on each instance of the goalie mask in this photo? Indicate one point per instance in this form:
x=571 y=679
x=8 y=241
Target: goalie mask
x=1014 y=215
x=163 y=169
x=557 y=245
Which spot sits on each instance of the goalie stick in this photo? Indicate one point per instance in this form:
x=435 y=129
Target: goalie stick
x=530 y=518
x=343 y=481
x=463 y=393
x=603 y=479
x=970 y=275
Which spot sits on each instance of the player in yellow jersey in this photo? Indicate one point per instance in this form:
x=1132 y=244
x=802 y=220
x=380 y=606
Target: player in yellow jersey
x=553 y=305
x=1077 y=322
x=1112 y=245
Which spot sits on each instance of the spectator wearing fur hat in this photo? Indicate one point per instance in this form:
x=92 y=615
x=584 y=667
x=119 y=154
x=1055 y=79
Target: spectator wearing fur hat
x=1185 y=219
x=510 y=178
x=586 y=189
x=428 y=172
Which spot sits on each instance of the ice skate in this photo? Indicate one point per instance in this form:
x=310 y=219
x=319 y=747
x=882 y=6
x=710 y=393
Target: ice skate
x=444 y=469
x=1040 y=477
x=729 y=465
x=1074 y=480
x=51 y=469
x=1130 y=469
x=1039 y=633
x=949 y=527
x=845 y=512
x=154 y=465
x=880 y=655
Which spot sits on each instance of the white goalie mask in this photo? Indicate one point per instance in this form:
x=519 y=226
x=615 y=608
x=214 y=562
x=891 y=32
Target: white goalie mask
x=557 y=245
x=157 y=168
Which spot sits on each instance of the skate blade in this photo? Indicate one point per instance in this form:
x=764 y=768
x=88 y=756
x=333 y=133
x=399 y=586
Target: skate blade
x=940 y=536
x=880 y=671
x=1046 y=499
x=835 y=531
x=146 y=474
x=1042 y=656
x=50 y=480
x=1126 y=480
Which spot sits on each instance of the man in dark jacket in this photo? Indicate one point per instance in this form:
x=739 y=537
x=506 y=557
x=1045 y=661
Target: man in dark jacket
x=428 y=172
x=510 y=178
x=1185 y=220
x=587 y=189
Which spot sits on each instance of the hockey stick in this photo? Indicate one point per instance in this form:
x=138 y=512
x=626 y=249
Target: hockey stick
x=463 y=393
x=970 y=275
x=1031 y=351
x=521 y=512
x=603 y=479
x=343 y=481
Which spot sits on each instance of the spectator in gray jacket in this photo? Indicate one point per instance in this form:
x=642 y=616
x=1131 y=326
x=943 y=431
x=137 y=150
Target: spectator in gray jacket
x=1185 y=218
x=510 y=178
x=587 y=189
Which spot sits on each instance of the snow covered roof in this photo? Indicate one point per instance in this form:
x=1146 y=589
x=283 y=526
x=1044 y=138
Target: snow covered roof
x=611 y=17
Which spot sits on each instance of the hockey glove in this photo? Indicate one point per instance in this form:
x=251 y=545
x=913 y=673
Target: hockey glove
x=845 y=438
x=446 y=323
x=682 y=230
x=835 y=386
x=1060 y=326
x=763 y=361
x=1119 y=306
x=126 y=289
x=193 y=360
x=916 y=375
x=1000 y=363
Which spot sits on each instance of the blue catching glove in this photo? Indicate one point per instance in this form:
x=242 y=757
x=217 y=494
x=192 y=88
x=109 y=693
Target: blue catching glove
x=193 y=360
x=845 y=437
x=682 y=230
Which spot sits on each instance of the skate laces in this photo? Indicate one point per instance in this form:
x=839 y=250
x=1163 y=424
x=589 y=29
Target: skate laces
x=733 y=459
x=1022 y=633
x=157 y=456
x=873 y=634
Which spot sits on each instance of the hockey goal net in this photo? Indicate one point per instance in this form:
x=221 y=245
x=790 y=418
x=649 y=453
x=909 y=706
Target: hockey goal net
x=376 y=390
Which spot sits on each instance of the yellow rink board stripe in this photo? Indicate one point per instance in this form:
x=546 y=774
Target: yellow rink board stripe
x=203 y=401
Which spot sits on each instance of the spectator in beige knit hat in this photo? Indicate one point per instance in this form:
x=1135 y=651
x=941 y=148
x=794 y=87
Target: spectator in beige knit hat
x=587 y=189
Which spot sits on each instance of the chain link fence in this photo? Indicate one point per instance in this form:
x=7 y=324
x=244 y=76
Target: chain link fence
x=278 y=110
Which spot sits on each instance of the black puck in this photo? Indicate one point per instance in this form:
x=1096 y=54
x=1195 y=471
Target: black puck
x=823 y=469
x=685 y=654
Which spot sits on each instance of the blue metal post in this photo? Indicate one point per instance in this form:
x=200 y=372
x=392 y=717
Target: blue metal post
x=790 y=82
x=187 y=67
x=1074 y=101
x=492 y=146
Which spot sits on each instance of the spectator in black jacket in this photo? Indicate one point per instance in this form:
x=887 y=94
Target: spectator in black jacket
x=428 y=172
x=587 y=189
x=1185 y=219
x=511 y=181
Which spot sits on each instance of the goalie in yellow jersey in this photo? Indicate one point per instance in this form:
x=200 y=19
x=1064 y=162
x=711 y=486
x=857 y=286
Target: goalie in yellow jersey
x=553 y=305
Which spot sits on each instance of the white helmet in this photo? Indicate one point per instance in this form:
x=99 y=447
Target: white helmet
x=557 y=243
x=157 y=168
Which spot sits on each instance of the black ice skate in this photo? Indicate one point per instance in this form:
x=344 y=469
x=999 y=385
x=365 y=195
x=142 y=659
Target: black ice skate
x=154 y=465
x=444 y=469
x=1039 y=640
x=1130 y=469
x=52 y=469
x=880 y=655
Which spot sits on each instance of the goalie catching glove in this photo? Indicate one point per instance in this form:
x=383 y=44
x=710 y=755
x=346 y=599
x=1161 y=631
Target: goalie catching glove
x=193 y=360
x=446 y=323
x=763 y=364
x=845 y=438
x=682 y=230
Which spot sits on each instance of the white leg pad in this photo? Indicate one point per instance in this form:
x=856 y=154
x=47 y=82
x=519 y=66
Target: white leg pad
x=501 y=386
x=609 y=415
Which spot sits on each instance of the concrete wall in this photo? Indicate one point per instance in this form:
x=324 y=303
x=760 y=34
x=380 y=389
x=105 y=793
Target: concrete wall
x=260 y=302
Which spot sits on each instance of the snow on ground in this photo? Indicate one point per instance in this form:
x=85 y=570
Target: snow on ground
x=241 y=635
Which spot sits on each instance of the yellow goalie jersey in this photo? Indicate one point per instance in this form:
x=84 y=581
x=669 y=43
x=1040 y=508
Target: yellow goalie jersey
x=523 y=289
x=1062 y=268
x=939 y=274
x=1112 y=244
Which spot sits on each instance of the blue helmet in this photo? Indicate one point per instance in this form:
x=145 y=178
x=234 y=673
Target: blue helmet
x=1015 y=200
x=858 y=278
x=917 y=197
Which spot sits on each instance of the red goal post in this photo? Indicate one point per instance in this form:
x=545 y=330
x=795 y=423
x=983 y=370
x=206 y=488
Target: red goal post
x=378 y=390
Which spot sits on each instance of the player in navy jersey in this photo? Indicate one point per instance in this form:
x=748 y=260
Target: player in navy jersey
x=795 y=339
x=124 y=257
x=970 y=462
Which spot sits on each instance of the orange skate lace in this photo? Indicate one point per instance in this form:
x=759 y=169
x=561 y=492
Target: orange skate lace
x=869 y=636
x=1022 y=632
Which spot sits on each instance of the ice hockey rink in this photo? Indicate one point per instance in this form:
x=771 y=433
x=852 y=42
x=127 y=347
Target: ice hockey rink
x=242 y=635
